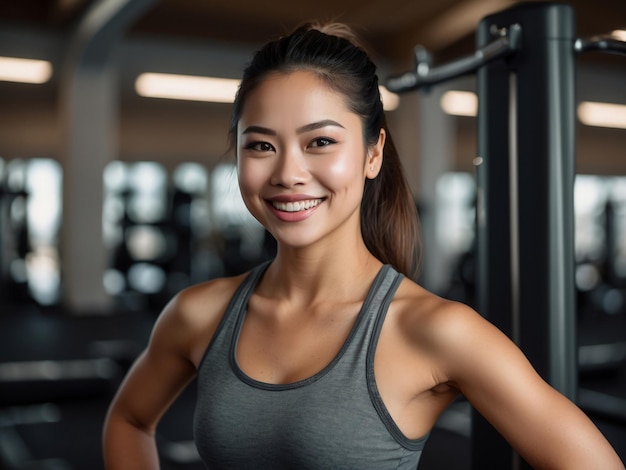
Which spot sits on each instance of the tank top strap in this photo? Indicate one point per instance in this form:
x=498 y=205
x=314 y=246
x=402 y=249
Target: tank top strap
x=376 y=304
x=376 y=323
x=372 y=314
x=234 y=313
x=240 y=299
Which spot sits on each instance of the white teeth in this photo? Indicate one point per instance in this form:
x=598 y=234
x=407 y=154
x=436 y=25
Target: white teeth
x=296 y=206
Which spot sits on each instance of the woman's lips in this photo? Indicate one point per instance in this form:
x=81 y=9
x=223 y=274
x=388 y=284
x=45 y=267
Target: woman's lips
x=294 y=210
x=296 y=206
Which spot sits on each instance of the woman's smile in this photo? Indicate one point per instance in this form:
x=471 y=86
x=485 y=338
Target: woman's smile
x=294 y=211
x=296 y=206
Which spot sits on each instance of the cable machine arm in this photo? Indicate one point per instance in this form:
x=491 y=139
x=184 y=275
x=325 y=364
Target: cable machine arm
x=425 y=75
x=601 y=44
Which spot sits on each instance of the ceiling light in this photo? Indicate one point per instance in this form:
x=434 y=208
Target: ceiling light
x=187 y=87
x=216 y=90
x=13 y=69
x=619 y=34
x=459 y=103
x=602 y=114
x=390 y=100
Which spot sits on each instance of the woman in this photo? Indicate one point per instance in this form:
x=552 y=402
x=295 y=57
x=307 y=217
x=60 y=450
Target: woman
x=330 y=356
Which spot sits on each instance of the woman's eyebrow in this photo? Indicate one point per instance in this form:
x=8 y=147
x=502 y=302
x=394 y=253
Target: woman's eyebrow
x=258 y=130
x=300 y=130
x=318 y=125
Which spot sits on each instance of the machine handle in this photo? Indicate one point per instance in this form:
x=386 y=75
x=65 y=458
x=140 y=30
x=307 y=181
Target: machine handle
x=600 y=43
x=508 y=42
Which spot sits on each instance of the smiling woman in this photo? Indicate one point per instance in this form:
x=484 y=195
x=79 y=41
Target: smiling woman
x=330 y=355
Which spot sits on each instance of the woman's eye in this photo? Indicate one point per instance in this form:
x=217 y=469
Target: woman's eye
x=322 y=142
x=259 y=146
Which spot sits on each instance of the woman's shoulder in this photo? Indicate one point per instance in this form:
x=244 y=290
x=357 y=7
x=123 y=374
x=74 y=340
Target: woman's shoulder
x=433 y=321
x=192 y=316
x=453 y=334
x=208 y=297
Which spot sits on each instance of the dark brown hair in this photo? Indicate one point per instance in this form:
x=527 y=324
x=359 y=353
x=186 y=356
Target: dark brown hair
x=389 y=221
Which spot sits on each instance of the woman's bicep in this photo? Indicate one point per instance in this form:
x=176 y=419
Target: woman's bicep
x=168 y=364
x=150 y=386
x=152 y=383
x=546 y=428
x=157 y=376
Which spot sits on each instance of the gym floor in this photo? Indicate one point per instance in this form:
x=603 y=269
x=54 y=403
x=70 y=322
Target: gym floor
x=51 y=412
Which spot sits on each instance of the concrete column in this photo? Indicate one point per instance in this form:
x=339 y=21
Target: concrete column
x=89 y=102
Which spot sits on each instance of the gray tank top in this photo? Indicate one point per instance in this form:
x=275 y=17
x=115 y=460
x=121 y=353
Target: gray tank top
x=332 y=420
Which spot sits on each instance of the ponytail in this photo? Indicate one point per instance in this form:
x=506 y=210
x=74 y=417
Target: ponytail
x=389 y=221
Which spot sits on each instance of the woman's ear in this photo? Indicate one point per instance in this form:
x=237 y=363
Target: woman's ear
x=375 y=156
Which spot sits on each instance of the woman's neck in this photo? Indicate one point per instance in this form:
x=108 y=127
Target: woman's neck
x=313 y=273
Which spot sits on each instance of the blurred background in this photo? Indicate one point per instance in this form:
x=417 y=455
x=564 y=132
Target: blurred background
x=117 y=190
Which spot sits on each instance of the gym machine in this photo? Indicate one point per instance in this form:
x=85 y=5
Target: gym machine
x=14 y=234
x=525 y=69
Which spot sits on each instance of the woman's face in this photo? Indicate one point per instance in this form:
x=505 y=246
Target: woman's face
x=302 y=161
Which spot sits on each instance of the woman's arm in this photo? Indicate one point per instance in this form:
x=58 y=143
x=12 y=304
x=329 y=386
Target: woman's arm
x=157 y=377
x=542 y=425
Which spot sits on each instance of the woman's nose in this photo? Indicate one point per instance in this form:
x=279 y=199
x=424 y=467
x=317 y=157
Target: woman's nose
x=289 y=169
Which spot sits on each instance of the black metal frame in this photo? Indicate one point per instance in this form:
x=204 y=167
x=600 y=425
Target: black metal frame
x=525 y=208
x=527 y=142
